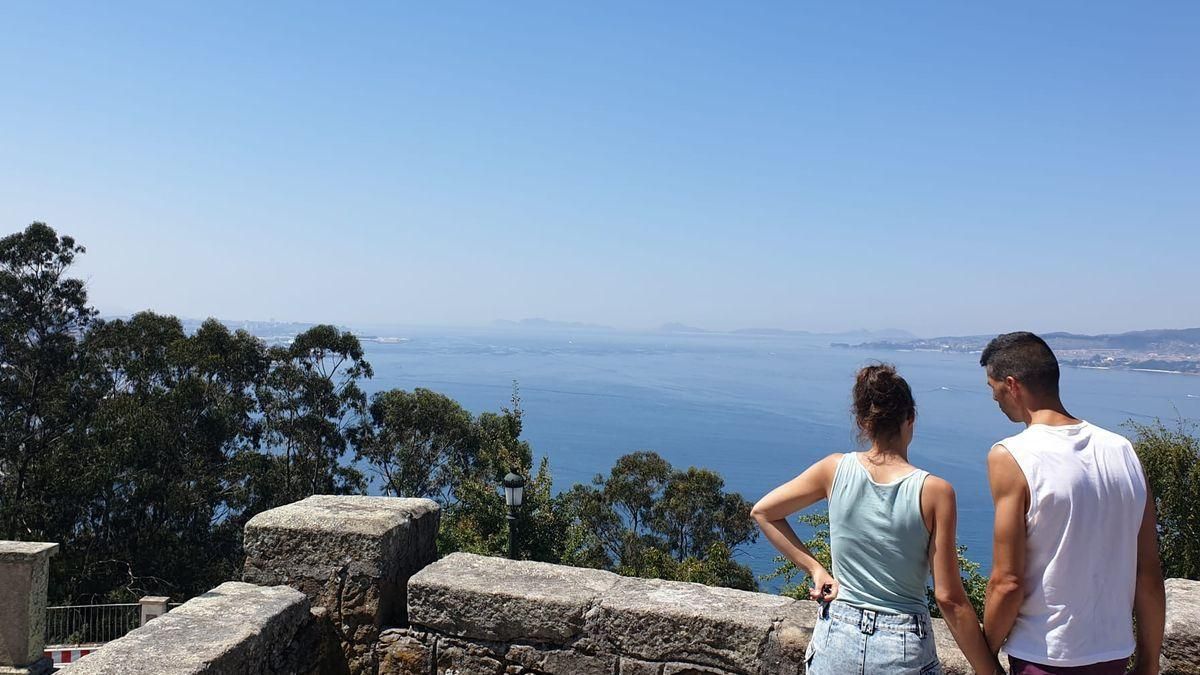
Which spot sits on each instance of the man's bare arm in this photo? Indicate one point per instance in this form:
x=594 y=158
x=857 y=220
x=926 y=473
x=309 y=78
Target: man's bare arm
x=1005 y=591
x=1150 y=598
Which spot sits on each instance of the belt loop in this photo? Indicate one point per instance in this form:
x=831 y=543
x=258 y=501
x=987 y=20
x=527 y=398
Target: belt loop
x=921 y=627
x=867 y=623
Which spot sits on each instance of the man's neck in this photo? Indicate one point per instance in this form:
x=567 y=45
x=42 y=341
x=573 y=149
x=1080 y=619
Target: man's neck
x=1054 y=415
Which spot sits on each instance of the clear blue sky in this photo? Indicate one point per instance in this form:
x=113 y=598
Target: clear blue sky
x=940 y=167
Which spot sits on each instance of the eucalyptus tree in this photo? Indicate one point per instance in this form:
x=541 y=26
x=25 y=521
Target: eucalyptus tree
x=420 y=443
x=311 y=403
x=42 y=314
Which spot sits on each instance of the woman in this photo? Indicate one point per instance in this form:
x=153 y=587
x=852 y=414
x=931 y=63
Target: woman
x=889 y=524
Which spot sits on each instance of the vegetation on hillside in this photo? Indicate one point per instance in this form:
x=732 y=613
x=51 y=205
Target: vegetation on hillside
x=143 y=449
x=1171 y=459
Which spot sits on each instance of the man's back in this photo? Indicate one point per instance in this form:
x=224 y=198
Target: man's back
x=1087 y=496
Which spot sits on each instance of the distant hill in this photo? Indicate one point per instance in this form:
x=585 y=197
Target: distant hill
x=1140 y=340
x=1171 y=350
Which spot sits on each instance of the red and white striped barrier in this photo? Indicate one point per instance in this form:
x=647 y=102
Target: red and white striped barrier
x=63 y=655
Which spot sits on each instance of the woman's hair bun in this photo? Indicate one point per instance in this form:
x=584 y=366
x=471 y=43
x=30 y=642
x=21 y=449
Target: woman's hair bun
x=883 y=402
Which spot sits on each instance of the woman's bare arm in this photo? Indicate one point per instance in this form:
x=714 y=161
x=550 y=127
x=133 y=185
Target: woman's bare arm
x=771 y=513
x=939 y=502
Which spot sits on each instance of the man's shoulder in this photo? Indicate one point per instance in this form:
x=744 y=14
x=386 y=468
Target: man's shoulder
x=1015 y=442
x=1102 y=435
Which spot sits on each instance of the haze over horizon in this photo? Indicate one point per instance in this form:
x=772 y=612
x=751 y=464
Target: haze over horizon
x=937 y=168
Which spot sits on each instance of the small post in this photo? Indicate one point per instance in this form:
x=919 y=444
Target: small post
x=512 y=534
x=24 y=572
x=153 y=606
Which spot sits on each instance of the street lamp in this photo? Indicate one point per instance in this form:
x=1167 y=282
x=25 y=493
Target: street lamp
x=514 y=494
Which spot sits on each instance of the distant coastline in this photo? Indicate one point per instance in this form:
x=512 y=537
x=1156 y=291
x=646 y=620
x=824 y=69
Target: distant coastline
x=1173 y=351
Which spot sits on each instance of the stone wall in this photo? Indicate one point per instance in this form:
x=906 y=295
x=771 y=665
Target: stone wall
x=236 y=628
x=491 y=616
x=350 y=586
x=351 y=556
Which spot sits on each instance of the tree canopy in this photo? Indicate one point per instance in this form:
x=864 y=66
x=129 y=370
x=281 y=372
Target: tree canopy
x=144 y=449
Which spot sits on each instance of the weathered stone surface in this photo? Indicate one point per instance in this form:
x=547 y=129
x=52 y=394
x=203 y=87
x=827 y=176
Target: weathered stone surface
x=631 y=666
x=350 y=554
x=793 y=628
x=560 y=661
x=234 y=628
x=466 y=657
x=403 y=651
x=653 y=619
x=24 y=572
x=1181 y=644
x=691 y=669
x=496 y=599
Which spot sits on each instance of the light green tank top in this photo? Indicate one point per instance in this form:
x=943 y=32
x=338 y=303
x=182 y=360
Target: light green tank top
x=878 y=539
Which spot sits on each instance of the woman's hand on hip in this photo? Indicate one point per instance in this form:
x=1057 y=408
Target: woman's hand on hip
x=825 y=587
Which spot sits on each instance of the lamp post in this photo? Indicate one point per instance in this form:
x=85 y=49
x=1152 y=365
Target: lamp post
x=514 y=494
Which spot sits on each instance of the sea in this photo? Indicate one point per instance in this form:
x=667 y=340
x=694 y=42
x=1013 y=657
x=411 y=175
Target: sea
x=757 y=409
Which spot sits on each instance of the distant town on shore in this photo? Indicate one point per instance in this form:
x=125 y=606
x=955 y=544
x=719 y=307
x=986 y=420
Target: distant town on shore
x=1161 y=350
x=1171 y=351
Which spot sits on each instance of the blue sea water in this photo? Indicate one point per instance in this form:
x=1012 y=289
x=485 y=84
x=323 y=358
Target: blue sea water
x=758 y=410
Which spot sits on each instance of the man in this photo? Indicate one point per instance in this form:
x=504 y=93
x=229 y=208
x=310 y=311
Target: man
x=1076 y=548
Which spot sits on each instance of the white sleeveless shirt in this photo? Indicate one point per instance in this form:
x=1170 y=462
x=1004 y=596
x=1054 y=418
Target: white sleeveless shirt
x=1086 y=498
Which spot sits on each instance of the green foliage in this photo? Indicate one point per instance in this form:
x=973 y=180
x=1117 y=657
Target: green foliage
x=311 y=402
x=144 y=450
x=818 y=523
x=419 y=442
x=42 y=313
x=647 y=519
x=156 y=510
x=476 y=518
x=1171 y=460
x=818 y=544
x=974 y=583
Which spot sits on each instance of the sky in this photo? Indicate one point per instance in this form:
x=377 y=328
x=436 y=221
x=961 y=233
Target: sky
x=939 y=167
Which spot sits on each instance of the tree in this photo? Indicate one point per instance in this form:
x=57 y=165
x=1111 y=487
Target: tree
x=694 y=512
x=1171 y=461
x=310 y=402
x=420 y=443
x=158 y=511
x=42 y=314
x=476 y=520
x=647 y=519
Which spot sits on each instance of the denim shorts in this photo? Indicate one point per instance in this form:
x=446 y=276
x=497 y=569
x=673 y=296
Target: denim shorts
x=849 y=641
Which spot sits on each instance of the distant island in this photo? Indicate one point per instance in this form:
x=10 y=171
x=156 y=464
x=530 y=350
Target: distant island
x=1167 y=350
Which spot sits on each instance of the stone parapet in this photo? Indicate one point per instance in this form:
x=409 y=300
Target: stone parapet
x=24 y=573
x=1181 y=643
x=351 y=555
x=236 y=628
x=474 y=614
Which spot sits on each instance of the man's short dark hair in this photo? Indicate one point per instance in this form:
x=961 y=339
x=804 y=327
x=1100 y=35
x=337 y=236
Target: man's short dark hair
x=1026 y=358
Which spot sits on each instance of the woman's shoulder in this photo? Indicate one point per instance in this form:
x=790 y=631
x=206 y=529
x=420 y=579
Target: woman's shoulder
x=936 y=487
x=831 y=461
